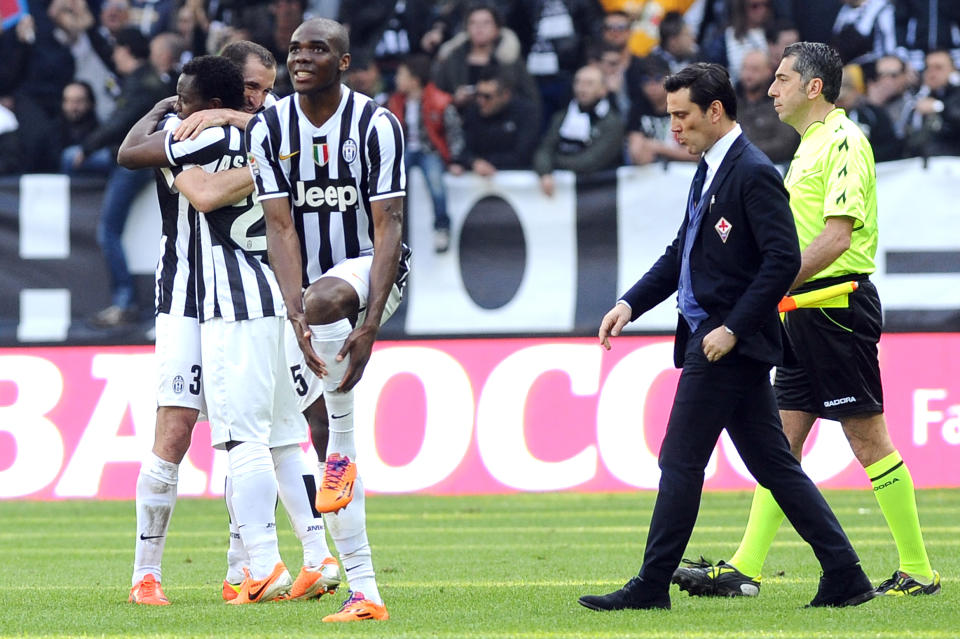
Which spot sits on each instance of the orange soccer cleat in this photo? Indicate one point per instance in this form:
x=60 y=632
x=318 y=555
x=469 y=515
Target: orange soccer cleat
x=316 y=583
x=230 y=591
x=336 y=485
x=359 y=608
x=147 y=592
x=274 y=586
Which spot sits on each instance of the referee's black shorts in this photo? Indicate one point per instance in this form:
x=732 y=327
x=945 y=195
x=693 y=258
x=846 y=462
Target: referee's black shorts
x=838 y=374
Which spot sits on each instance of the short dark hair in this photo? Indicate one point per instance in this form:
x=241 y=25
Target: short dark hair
x=817 y=60
x=484 y=6
x=708 y=83
x=491 y=73
x=217 y=77
x=671 y=25
x=238 y=52
x=83 y=84
x=418 y=64
x=134 y=41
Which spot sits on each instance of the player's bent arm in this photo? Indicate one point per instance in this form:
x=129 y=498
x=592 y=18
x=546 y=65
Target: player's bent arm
x=192 y=126
x=387 y=234
x=143 y=145
x=212 y=191
x=283 y=251
x=825 y=248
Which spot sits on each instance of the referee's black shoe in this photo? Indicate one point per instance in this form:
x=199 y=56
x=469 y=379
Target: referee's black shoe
x=843 y=587
x=703 y=579
x=635 y=595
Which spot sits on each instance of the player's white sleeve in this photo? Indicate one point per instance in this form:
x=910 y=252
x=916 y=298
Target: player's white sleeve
x=209 y=146
x=268 y=177
x=388 y=176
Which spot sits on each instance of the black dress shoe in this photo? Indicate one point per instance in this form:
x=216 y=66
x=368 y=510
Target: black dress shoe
x=843 y=587
x=635 y=595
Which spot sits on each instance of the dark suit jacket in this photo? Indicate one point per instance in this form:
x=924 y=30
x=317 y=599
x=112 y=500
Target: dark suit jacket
x=737 y=282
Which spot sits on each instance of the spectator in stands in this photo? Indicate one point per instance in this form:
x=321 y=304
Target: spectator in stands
x=586 y=137
x=678 y=43
x=34 y=68
x=193 y=25
x=649 y=137
x=390 y=30
x=433 y=135
x=814 y=19
x=78 y=116
x=872 y=120
x=780 y=34
x=755 y=111
x=166 y=50
x=748 y=21
x=887 y=87
x=554 y=35
x=141 y=88
x=485 y=44
x=364 y=77
x=616 y=31
x=934 y=124
x=927 y=25
x=614 y=63
x=864 y=30
x=151 y=16
x=500 y=129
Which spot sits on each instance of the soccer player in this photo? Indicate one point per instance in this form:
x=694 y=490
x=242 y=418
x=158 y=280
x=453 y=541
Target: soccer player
x=833 y=196
x=236 y=291
x=328 y=167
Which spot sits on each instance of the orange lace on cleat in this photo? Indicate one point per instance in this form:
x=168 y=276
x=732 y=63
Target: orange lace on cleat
x=336 y=485
x=230 y=591
x=358 y=608
x=147 y=592
x=316 y=583
x=273 y=587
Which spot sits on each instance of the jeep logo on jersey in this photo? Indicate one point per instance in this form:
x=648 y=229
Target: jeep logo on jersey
x=336 y=197
x=321 y=154
x=349 y=151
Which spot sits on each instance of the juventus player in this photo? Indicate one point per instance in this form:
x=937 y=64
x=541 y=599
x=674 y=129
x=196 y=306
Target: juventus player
x=328 y=168
x=236 y=291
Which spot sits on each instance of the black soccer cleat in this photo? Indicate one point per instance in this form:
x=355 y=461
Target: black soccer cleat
x=703 y=579
x=635 y=595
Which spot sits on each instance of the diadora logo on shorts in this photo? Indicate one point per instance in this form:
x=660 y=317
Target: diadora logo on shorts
x=177 y=384
x=339 y=196
x=839 y=401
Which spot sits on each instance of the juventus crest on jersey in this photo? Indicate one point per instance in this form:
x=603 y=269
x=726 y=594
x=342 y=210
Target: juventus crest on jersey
x=330 y=173
x=233 y=278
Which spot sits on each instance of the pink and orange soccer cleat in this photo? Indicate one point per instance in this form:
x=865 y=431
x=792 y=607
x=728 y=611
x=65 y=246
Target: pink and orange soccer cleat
x=359 y=608
x=316 y=583
x=148 y=592
x=230 y=591
x=275 y=586
x=336 y=485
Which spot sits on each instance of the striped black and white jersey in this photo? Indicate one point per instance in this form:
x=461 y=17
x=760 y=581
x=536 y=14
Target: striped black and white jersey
x=330 y=174
x=233 y=279
x=175 y=289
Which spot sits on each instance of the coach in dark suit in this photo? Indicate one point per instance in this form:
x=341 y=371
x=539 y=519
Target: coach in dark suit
x=735 y=256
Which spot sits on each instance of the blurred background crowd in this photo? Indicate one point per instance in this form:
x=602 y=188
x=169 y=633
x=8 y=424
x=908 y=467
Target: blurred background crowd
x=480 y=86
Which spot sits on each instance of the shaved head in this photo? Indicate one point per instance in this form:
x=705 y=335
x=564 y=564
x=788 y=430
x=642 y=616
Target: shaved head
x=331 y=30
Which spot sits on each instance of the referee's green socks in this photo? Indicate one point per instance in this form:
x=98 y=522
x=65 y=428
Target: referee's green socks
x=893 y=488
x=762 y=525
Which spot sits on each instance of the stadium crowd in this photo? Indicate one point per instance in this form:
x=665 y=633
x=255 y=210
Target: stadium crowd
x=479 y=86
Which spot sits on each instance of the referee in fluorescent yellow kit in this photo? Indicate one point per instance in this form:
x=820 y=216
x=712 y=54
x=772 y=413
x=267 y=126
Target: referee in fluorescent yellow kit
x=833 y=196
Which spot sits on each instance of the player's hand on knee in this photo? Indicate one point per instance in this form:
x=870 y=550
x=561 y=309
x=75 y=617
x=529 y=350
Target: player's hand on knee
x=302 y=330
x=358 y=347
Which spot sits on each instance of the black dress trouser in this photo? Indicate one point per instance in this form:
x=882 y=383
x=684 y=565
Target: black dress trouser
x=733 y=393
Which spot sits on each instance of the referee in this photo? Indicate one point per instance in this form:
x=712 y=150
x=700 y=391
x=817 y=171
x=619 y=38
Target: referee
x=833 y=196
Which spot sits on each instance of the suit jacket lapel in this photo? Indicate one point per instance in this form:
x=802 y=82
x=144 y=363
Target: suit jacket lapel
x=726 y=165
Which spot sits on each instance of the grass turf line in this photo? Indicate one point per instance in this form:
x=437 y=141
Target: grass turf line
x=492 y=566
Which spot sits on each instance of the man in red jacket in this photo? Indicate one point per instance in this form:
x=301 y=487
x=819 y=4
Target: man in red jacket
x=433 y=134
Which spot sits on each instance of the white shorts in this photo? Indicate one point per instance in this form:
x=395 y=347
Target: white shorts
x=179 y=371
x=355 y=272
x=247 y=383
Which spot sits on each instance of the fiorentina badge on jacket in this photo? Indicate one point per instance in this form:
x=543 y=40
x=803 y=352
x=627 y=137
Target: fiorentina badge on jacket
x=723 y=229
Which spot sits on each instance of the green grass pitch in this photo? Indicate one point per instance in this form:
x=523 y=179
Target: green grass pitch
x=462 y=567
